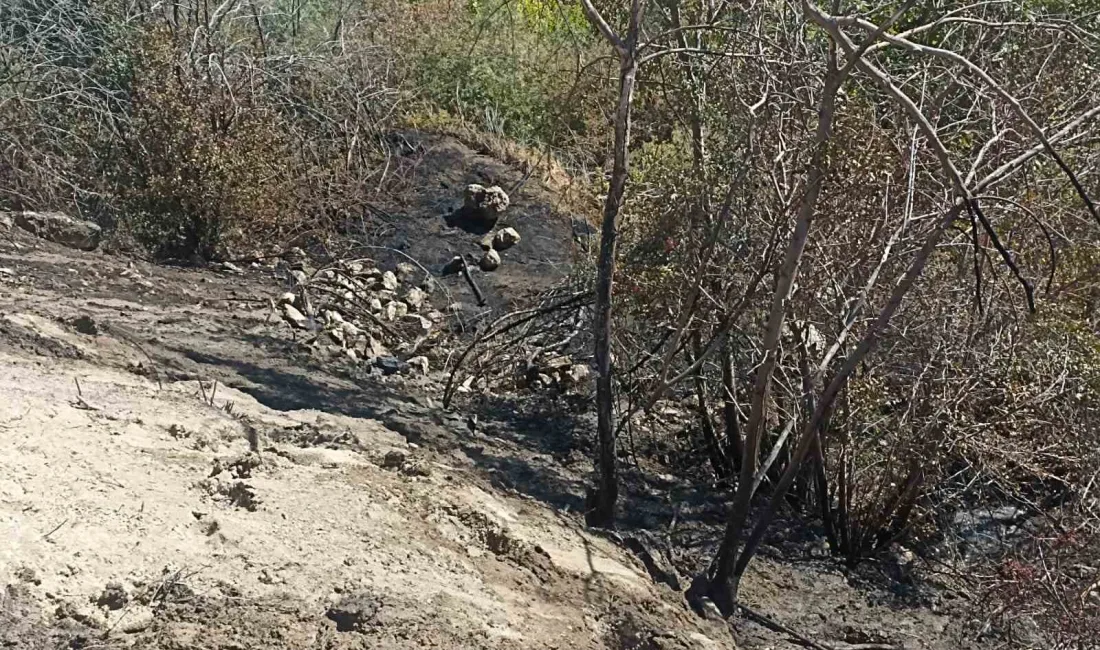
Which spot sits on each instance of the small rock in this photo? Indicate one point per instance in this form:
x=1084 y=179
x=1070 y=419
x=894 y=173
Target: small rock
x=390 y=365
x=454 y=266
x=332 y=318
x=406 y=271
x=416 y=469
x=295 y=256
x=375 y=304
x=557 y=363
x=288 y=298
x=230 y=267
x=114 y=596
x=351 y=332
x=353 y=614
x=710 y=610
x=6 y=221
x=394 y=459
x=420 y=364
x=416 y=322
x=389 y=281
x=578 y=373
x=505 y=239
x=299 y=276
x=85 y=325
x=27 y=574
x=490 y=261
x=136 y=619
x=373 y=348
x=60 y=229
x=83 y=614
x=484 y=204
x=415 y=298
x=295 y=317
x=395 y=310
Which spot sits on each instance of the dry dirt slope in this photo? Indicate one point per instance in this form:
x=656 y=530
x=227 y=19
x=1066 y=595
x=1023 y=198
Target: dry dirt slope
x=132 y=513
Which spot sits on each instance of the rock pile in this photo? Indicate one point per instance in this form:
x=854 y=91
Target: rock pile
x=480 y=211
x=356 y=311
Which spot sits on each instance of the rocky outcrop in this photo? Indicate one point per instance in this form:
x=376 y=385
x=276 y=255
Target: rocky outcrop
x=58 y=228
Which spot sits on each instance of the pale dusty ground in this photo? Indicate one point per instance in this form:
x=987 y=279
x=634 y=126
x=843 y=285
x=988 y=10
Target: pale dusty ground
x=474 y=543
x=118 y=482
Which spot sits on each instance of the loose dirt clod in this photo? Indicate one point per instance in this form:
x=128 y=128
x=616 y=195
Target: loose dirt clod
x=354 y=613
x=114 y=596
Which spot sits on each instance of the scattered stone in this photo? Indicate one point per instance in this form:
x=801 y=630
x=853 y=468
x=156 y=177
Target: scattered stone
x=351 y=332
x=86 y=614
x=483 y=205
x=420 y=364
x=710 y=611
x=415 y=298
x=295 y=317
x=406 y=271
x=375 y=304
x=395 y=310
x=136 y=619
x=490 y=261
x=6 y=221
x=295 y=256
x=354 y=614
x=416 y=322
x=373 y=348
x=332 y=318
x=60 y=228
x=578 y=373
x=454 y=266
x=242 y=495
x=394 y=459
x=299 y=276
x=288 y=298
x=389 y=281
x=27 y=574
x=416 y=468
x=557 y=363
x=505 y=239
x=114 y=596
x=85 y=325
x=230 y=267
x=390 y=365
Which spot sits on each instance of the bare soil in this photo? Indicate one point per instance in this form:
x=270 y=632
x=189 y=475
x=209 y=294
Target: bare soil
x=176 y=471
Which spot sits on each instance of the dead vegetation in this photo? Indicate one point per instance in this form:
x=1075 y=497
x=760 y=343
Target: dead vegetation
x=846 y=271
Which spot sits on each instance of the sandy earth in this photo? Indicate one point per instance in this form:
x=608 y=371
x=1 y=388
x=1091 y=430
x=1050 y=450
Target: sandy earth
x=133 y=511
x=177 y=472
